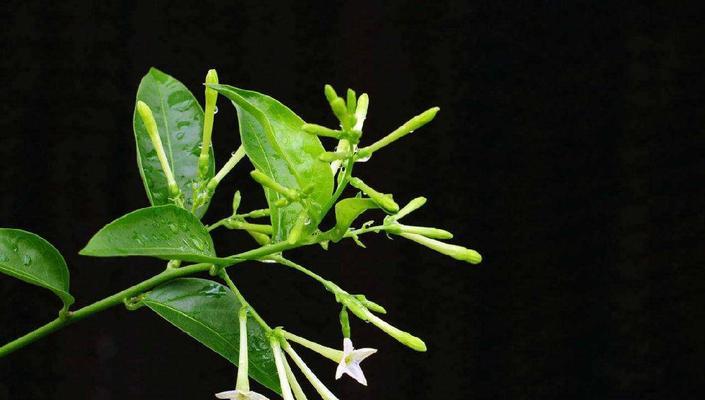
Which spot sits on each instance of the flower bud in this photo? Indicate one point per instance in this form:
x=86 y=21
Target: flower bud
x=386 y=201
x=329 y=156
x=351 y=101
x=412 y=206
x=270 y=183
x=408 y=127
x=150 y=125
x=208 y=114
x=236 y=201
x=361 y=111
x=339 y=109
x=458 y=252
x=319 y=130
x=433 y=233
x=330 y=93
x=371 y=305
x=345 y=322
x=298 y=228
x=404 y=338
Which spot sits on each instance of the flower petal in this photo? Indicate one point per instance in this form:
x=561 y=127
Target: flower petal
x=347 y=346
x=255 y=396
x=355 y=371
x=230 y=394
x=341 y=368
x=360 y=354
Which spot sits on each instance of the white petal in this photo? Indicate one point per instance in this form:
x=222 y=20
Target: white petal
x=355 y=371
x=360 y=354
x=347 y=346
x=341 y=368
x=255 y=396
x=230 y=394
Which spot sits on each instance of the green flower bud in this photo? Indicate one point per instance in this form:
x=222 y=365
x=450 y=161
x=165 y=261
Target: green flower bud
x=236 y=201
x=298 y=228
x=150 y=125
x=408 y=127
x=321 y=131
x=351 y=102
x=386 y=201
x=339 y=109
x=330 y=93
x=361 y=111
x=329 y=156
x=458 y=252
x=270 y=183
x=345 y=322
x=404 y=338
x=433 y=233
x=371 y=305
x=208 y=115
x=412 y=206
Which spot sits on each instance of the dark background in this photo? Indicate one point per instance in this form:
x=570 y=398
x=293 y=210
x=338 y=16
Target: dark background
x=568 y=151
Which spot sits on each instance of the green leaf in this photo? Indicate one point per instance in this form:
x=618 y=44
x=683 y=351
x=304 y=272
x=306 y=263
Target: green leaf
x=166 y=232
x=179 y=118
x=346 y=211
x=208 y=312
x=32 y=259
x=277 y=146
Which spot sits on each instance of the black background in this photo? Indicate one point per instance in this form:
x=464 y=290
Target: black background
x=568 y=151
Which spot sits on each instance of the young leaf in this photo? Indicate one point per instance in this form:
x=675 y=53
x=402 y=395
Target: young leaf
x=346 y=211
x=32 y=259
x=208 y=312
x=278 y=147
x=166 y=232
x=179 y=119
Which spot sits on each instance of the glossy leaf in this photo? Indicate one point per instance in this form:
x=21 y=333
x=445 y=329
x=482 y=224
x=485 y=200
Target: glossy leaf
x=166 y=232
x=179 y=118
x=32 y=259
x=346 y=211
x=275 y=143
x=208 y=312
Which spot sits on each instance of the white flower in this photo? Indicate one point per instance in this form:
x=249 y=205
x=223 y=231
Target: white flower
x=350 y=362
x=240 y=395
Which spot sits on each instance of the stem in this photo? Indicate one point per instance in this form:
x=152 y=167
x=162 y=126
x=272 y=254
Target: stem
x=338 y=190
x=235 y=158
x=101 y=305
x=330 y=286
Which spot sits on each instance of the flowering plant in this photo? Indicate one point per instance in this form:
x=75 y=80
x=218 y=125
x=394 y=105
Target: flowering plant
x=302 y=183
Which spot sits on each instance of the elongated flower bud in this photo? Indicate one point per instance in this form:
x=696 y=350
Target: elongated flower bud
x=404 y=338
x=330 y=156
x=412 y=206
x=243 y=382
x=312 y=378
x=209 y=112
x=408 y=127
x=345 y=322
x=281 y=370
x=458 y=252
x=363 y=103
x=150 y=125
x=298 y=228
x=330 y=93
x=351 y=101
x=327 y=352
x=371 y=305
x=270 y=183
x=295 y=386
x=236 y=201
x=384 y=200
x=433 y=233
x=319 y=130
x=339 y=109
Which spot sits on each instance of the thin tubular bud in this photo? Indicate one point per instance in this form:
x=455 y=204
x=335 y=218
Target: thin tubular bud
x=351 y=101
x=330 y=156
x=361 y=111
x=298 y=228
x=260 y=238
x=458 y=252
x=235 y=158
x=371 y=305
x=339 y=109
x=295 y=387
x=327 y=352
x=208 y=114
x=433 y=233
x=236 y=201
x=384 y=200
x=408 y=127
x=319 y=130
x=281 y=370
x=345 y=322
x=404 y=338
x=270 y=183
x=244 y=225
x=150 y=125
x=330 y=93
x=412 y=206
x=315 y=382
x=243 y=382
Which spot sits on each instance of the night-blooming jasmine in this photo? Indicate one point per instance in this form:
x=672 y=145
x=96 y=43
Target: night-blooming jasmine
x=242 y=388
x=350 y=362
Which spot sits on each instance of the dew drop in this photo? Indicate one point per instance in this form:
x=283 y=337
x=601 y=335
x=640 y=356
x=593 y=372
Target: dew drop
x=180 y=135
x=308 y=221
x=26 y=260
x=215 y=111
x=3 y=258
x=173 y=228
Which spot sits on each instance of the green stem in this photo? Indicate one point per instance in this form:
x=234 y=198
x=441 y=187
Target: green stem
x=338 y=190
x=101 y=305
x=330 y=286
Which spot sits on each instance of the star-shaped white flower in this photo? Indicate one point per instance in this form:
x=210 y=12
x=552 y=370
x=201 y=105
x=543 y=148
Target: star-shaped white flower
x=350 y=362
x=240 y=395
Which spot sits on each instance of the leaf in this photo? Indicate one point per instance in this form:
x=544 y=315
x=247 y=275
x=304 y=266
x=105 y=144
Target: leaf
x=32 y=259
x=346 y=211
x=208 y=312
x=179 y=118
x=277 y=146
x=166 y=232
